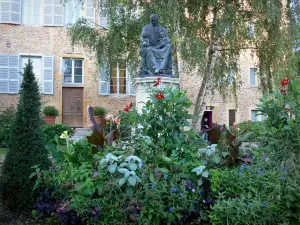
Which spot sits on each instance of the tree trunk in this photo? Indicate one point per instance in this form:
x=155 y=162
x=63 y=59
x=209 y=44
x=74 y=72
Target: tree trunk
x=207 y=81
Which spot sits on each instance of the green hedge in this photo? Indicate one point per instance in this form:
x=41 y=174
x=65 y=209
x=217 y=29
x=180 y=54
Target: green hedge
x=51 y=130
x=256 y=127
x=6 y=119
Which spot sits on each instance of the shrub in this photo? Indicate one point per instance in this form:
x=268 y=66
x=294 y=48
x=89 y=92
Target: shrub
x=99 y=111
x=6 y=120
x=52 y=130
x=50 y=111
x=257 y=129
x=26 y=146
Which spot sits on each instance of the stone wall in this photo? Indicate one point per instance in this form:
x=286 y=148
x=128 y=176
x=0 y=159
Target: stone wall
x=54 y=41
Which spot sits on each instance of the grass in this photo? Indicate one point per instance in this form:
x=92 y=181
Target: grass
x=3 y=151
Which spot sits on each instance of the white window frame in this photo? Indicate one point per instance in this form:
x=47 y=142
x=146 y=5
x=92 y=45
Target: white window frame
x=41 y=78
x=118 y=81
x=32 y=9
x=75 y=4
x=73 y=70
x=260 y=118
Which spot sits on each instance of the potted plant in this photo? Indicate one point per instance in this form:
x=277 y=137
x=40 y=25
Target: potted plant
x=50 y=112
x=99 y=114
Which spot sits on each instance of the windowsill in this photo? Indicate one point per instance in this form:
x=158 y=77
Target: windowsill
x=72 y=85
x=118 y=95
x=253 y=86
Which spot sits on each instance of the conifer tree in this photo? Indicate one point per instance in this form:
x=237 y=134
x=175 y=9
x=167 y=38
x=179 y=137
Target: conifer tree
x=26 y=146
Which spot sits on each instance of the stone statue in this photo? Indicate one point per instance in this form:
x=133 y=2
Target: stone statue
x=155 y=50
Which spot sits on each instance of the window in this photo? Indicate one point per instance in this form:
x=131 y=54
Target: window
x=73 y=11
x=232 y=118
x=103 y=17
x=118 y=79
x=12 y=65
x=255 y=117
x=53 y=13
x=251 y=31
x=72 y=71
x=115 y=79
x=10 y=11
x=31 y=12
x=252 y=77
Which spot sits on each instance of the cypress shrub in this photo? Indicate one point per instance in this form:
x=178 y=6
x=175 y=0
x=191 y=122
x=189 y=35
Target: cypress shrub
x=26 y=146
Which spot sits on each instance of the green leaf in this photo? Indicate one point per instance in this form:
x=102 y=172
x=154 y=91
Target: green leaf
x=132 y=181
x=205 y=174
x=133 y=166
x=200 y=182
x=129 y=191
x=112 y=168
x=216 y=159
x=122 y=181
x=32 y=175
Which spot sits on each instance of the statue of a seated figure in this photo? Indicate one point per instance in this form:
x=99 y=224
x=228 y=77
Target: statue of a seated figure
x=156 y=50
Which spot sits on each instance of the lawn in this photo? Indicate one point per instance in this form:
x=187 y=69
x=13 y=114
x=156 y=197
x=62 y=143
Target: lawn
x=3 y=151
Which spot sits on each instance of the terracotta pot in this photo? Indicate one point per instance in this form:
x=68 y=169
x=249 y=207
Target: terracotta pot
x=101 y=120
x=49 y=119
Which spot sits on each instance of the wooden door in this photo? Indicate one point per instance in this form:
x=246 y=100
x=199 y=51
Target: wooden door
x=231 y=116
x=72 y=106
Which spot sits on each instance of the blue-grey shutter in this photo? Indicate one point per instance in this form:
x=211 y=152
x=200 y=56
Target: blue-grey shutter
x=129 y=82
x=48 y=75
x=5 y=11
x=252 y=77
x=90 y=12
x=13 y=82
x=3 y=73
x=58 y=13
x=104 y=80
x=15 y=11
x=48 y=13
x=103 y=17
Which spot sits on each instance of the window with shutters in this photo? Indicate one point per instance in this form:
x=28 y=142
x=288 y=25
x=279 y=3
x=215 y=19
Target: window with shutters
x=31 y=12
x=253 y=77
x=9 y=73
x=10 y=11
x=53 y=13
x=115 y=79
x=37 y=66
x=118 y=79
x=72 y=71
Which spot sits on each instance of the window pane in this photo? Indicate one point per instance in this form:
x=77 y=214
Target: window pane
x=77 y=79
x=69 y=12
x=252 y=77
x=26 y=11
x=254 y=116
x=114 y=66
x=77 y=10
x=31 y=11
x=36 y=65
x=122 y=83
x=122 y=66
x=67 y=69
x=113 y=82
x=122 y=73
x=78 y=63
x=78 y=71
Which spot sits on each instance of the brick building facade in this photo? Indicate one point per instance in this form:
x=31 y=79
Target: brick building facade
x=68 y=77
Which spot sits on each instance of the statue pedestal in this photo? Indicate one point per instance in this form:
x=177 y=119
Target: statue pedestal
x=144 y=85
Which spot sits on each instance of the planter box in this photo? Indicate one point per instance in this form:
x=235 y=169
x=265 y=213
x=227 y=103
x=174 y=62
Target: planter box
x=49 y=119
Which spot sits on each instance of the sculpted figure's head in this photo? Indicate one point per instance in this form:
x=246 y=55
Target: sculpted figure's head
x=154 y=19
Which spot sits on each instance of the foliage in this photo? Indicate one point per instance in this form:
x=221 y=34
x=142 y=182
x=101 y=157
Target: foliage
x=52 y=130
x=257 y=129
x=50 y=110
x=99 y=111
x=26 y=146
x=6 y=121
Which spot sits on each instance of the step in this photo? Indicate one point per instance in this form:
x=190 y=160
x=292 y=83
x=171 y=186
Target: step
x=82 y=129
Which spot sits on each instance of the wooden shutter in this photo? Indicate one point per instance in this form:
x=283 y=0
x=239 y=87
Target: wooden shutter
x=104 y=80
x=48 y=75
x=3 y=73
x=15 y=10
x=5 y=11
x=129 y=82
x=13 y=82
x=48 y=12
x=90 y=12
x=58 y=13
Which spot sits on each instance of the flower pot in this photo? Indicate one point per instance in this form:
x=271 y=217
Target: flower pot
x=49 y=119
x=101 y=120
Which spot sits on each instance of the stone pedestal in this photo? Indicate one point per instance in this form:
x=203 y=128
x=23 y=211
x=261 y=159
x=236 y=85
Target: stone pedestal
x=144 y=85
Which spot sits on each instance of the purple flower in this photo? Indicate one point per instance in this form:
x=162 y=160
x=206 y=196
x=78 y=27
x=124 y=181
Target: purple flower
x=174 y=190
x=180 y=194
x=152 y=186
x=265 y=158
x=199 y=192
x=261 y=172
x=170 y=210
x=155 y=172
x=96 y=174
x=250 y=204
x=165 y=176
x=142 y=164
x=281 y=178
x=284 y=170
x=263 y=205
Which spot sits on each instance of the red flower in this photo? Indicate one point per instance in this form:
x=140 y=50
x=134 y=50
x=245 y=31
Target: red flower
x=130 y=105
x=285 y=82
x=283 y=92
x=126 y=109
x=157 y=82
x=159 y=96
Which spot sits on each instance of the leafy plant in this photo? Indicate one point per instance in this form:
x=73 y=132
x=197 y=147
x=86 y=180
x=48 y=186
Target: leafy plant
x=6 y=121
x=50 y=131
x=50 y=111
x=100 y=111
